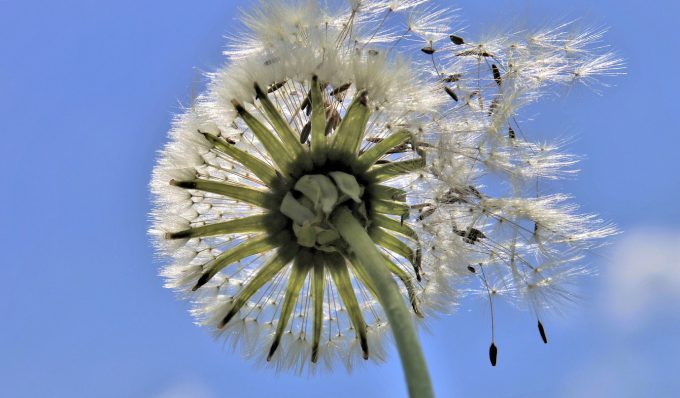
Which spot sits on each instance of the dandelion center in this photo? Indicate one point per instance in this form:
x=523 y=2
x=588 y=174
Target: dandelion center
x=312 y=202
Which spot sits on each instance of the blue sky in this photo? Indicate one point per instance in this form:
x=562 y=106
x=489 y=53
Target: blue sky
x=87 y=93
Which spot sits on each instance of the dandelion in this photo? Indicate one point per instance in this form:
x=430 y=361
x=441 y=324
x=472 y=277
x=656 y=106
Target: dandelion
x=330 y=186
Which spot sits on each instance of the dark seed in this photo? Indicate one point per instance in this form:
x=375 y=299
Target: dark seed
x=511 y=133
x=542 y=332
x=332 y=122
x=307 y=104
x=457 y=40
x=494 y=105
x=304 y=134
x=496 y=74
x=475 y=191
x=451 y=93
x=475 y=52
x=471 y=269
x=275 y=86
x=493 y=354
x=470 y=236
x=427 y=50
x=341 y=89
x=452 y=78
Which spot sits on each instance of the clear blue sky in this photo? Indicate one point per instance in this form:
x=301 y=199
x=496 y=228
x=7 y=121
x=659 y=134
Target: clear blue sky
x=87 y=91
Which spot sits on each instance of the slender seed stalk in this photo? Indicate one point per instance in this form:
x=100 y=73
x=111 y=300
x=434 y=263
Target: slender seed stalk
x=405 y=336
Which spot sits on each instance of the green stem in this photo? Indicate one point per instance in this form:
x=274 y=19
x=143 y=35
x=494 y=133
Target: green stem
x=401 y=323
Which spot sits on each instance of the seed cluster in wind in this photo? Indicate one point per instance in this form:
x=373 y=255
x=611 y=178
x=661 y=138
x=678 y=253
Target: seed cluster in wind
x=384 y=109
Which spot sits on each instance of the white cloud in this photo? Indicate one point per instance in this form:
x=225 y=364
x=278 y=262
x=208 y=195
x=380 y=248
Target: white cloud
x=643 y=277
x=187 y=389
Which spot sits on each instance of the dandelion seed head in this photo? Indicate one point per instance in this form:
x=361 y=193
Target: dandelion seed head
x=322 y=108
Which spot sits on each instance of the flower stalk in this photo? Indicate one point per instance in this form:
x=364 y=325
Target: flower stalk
x=373 y=266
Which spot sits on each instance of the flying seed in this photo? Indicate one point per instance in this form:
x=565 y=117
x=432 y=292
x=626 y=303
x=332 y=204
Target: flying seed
x=428 y=50
x=453 y=78
x=307 y=103
x=457 y=40
x=471 y=269
x=541 y=330
x=493 y=354
x=451 y=93
x=341 y=89
x=450 y=197
x=496 y=74
x=275 y=86
x=494 y=105
x=475 y=191
x=470 y=236
x=332 y=121
x=304 y=134
x=418 y=266
x=475 y=52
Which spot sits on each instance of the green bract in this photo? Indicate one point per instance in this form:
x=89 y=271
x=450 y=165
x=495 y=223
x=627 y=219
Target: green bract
x=308 y=185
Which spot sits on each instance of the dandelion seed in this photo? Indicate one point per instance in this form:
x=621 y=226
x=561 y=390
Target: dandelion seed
x=428 y=50
x=457 y=40
x=493 y=354
x=452 y=78
x=496 y=74
x=451 y=94
x=541 y=330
